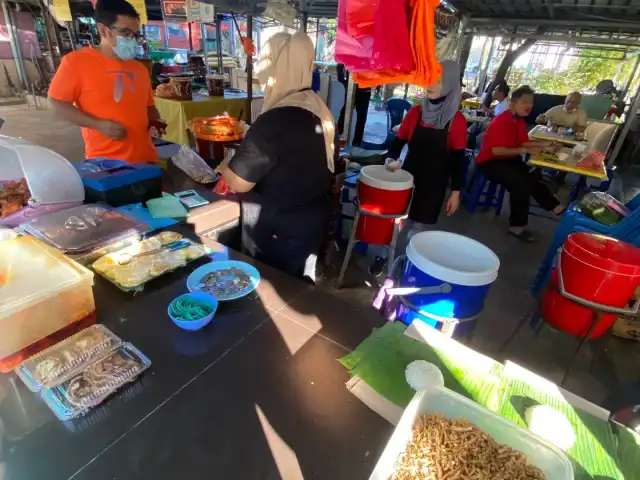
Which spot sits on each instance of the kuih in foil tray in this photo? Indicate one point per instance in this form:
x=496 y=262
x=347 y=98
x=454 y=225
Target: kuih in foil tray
x=62 y=360
x=96 y=382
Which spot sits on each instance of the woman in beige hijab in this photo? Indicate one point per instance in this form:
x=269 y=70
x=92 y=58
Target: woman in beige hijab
x=284 y=165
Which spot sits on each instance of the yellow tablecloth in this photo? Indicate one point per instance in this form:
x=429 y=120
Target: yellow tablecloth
x=546 y=160
x=178 y=112
x=475 y=102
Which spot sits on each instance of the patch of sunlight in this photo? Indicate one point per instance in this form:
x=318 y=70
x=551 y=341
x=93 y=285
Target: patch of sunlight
x=283 y=455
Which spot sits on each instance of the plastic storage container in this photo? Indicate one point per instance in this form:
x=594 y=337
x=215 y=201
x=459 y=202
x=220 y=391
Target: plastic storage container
x=96 y=382
x=86 y=232
x=52 y=181
x=117 y=183
x=41 y=292
x=552 y=461
x=58 y=363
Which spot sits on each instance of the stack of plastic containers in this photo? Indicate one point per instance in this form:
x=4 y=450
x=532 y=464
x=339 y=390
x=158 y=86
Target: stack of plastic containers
x=87 y=232
x=82 y=371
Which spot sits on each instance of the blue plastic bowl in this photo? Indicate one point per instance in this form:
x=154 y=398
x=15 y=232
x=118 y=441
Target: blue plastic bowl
x=195 y=324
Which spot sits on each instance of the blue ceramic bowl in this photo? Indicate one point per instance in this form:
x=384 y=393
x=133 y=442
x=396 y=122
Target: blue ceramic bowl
x=195 y=324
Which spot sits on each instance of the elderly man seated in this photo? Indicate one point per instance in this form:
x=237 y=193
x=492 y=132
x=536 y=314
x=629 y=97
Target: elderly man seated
x=568 y=115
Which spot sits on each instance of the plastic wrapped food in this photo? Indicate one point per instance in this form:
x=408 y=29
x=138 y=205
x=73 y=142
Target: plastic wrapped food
x=97 y=381
x=193 y=165
x=61 y=361
x=222 y=128
x=593 y=160
x=136 y=271
x=181 y=87
x=603 y=208
x=168 y=237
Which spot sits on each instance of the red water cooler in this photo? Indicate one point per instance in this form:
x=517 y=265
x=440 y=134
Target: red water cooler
x=600 y=269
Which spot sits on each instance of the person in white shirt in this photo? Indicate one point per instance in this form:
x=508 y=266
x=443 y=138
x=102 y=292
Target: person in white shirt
x=501 y=95
x=568 y=115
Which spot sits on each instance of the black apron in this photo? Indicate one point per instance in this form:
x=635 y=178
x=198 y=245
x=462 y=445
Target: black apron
x=429 y=163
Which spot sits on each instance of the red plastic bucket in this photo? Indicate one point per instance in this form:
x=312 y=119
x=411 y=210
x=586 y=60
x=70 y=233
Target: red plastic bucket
x=596 y=268
x=384 y=192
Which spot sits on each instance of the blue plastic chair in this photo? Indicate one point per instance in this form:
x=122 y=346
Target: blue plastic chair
x=483 y=193
x=627 y=230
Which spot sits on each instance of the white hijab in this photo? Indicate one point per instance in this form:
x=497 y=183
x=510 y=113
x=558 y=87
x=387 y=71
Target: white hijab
x=285 y=67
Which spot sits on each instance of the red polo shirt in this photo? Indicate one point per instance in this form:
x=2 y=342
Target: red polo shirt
x=506 y=130
x=456 y=139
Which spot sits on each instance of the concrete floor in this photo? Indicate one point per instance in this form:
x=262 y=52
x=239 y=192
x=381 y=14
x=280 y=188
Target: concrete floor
x=547 y=354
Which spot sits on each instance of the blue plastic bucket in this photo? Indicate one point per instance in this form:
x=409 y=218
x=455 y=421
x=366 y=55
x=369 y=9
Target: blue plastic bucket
x=434 y=258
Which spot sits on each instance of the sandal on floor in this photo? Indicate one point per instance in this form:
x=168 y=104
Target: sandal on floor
x=524 y=236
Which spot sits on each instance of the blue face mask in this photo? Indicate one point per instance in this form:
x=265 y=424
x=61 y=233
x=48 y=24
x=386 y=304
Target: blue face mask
x=126 y=48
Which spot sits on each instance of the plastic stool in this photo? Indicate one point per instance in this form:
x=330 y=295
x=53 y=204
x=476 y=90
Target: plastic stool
x=353 y=240
x=483 y=193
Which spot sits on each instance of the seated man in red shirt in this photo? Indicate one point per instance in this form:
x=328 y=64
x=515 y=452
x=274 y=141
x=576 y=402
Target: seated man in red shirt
x=500 y=159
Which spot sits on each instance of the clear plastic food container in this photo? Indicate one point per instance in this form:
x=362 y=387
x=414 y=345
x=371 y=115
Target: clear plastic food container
x=41 y=291
x=134 y=274
x=96 y=382
x=552 y=461
x=61 y=361
x=87 y=228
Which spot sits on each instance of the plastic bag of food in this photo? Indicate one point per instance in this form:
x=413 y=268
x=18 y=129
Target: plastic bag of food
x=603 y=208
x=592 y=159
x=193 y=165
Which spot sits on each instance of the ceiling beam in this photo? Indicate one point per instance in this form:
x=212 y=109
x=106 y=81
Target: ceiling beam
x=532 y=22
x=550 y=6
x=573 y=40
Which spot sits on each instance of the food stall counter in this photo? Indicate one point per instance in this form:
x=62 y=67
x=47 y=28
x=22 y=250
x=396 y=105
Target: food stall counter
x=256 y=394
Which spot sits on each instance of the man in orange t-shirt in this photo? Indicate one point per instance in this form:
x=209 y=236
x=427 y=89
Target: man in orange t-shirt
x=107 y=92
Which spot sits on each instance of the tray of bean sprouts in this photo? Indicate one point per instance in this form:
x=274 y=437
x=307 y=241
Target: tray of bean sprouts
x=225 y=280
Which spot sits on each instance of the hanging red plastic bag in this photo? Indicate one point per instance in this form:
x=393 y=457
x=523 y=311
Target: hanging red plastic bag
x=354 y=53
x=422 y=37
x=360 y=17
x=391 y=45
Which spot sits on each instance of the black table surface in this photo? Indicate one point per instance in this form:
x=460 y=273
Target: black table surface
x=257 y=394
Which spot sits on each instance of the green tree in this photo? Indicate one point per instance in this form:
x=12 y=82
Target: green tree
x=583 y=73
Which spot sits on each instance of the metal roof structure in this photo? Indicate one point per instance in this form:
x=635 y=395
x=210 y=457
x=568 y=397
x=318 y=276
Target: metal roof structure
x=596 y=19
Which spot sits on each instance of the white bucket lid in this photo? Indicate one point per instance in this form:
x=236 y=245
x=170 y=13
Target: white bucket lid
x=453 y=258
x=378 y=176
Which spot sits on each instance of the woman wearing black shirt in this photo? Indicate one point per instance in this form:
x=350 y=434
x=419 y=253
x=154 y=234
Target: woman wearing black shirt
x=284 y=164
